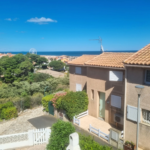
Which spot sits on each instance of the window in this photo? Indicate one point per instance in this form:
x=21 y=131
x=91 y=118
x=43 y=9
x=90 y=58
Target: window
x=78 y=87
x=92 y=94
x=115 y=75
x=147 y=77
x=78 y=70
x=116 y=101
x=146 y=116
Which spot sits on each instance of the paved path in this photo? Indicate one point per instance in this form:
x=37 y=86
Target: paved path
x=43 y=121
x=96 y=123
x=52 y=73
x=21 y=123
x=36 y=147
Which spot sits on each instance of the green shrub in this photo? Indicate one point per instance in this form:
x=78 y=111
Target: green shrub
x=5 y=105
x=8 y=113
x=87 y=143
x=36 y=99
x=59 y=138
x=27 y=102
x=45 y=101
x=74 y=103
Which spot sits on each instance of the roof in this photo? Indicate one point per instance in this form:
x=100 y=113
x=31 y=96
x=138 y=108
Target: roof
x=109 y=59
x=81 y=60
x=142 y=57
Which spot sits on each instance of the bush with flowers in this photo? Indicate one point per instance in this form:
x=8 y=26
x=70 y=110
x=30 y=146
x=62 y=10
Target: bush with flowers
x=57 y=100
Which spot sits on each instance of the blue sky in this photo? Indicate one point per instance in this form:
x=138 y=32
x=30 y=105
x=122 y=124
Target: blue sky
x=49 y=25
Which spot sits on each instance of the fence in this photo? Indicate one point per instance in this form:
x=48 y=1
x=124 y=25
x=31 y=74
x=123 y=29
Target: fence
x=76 y=118
x=30 y=138
x=82 y=114
x=99 y=133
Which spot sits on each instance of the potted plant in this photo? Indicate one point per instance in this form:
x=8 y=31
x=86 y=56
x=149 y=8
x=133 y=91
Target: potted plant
x=129 y=145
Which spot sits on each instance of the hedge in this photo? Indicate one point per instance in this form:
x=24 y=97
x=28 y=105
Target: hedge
x=59 y=138
x=74 y=103
x=87 y=143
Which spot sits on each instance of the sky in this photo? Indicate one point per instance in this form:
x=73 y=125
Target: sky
x=69 y=25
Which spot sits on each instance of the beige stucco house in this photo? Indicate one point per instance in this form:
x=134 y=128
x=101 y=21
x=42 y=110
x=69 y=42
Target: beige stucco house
x=138 y=72
x=103 y=78
x=109 y=80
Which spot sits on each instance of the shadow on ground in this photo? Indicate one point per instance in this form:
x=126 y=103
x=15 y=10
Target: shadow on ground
x=43 y=121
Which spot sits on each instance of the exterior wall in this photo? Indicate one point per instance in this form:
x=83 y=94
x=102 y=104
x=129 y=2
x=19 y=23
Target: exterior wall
x=136 y=76
x=98 y=80
x=77 y=78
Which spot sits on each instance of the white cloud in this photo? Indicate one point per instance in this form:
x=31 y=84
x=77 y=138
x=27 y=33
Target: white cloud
x=8 y=19
x=15 y=19
x=41 y=20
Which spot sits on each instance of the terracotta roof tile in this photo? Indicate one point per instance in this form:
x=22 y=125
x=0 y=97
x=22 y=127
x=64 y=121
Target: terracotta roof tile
x=109 y=59
x=142 y=57
x=82 y=59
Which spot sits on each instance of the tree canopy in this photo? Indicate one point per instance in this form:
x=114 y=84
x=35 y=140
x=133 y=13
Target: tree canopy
x=18 y=67
x=57 y=65
x=15 y=68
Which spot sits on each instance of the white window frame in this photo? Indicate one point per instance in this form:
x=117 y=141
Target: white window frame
x=146 y=119
x=119 y=103
x=77 y=70
x=145 y=77
x=113 y=75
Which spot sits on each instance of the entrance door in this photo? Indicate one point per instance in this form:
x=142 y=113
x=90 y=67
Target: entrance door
x=102 y=104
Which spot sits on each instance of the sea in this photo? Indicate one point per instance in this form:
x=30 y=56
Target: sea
x=67 y=53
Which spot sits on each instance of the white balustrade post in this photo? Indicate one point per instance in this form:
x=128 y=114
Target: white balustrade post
x=90 y=127
x=30 y=137
x=99 y=132
x=74 y=119
x=79 y=122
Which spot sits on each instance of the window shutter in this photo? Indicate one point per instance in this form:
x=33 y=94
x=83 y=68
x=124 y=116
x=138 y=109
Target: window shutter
x=116 y=101
x=132 y=113
x=78 y=87
x=78 y=70
x=115 y=75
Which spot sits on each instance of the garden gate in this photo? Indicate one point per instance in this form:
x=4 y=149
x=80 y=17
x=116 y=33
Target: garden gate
x=51 y=108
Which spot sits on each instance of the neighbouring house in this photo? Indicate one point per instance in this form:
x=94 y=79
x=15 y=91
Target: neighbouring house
x=138 y=72
x=103 y=78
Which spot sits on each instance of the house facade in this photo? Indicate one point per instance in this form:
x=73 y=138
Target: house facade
x=138 y=73
x=109 y=80
x=104 y=83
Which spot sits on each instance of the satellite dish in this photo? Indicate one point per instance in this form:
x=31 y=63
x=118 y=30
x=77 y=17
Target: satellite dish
x=33 y=51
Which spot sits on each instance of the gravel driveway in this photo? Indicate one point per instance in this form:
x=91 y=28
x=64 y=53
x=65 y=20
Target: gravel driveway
x=21 y=123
